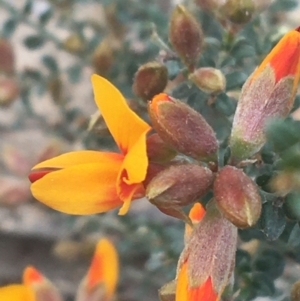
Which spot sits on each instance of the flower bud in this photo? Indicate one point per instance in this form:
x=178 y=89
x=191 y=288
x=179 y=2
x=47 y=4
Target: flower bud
x=9 y=91
x=268 y=93
x=207 y=261
x=239 y=11
x=186 y=36
x=158 y=151
x=210 y=5
x=183 y=128
x=103 y=56
x=7 y=57
x=237 y=197
x=295 y=292
x=150 y=79
x=208 y=79
x=177 y=186
x=42 y=287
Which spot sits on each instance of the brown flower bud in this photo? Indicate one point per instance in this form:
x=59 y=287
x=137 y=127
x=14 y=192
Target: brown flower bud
x=179 y=185
x=295 y=292
x=158 y=151
x=237 y=197
x=150 y=79
x=209 y=80
x=103 y=56
x=239 y=11
x=186 y=36
x=9 y=91
x=7 y=57
x=183 y=128
x=207 y=261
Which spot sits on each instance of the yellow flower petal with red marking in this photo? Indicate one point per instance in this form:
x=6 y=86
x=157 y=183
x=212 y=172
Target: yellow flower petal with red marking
x=88 y=182
x=124 y=125
x=185 y=292
x=16 y=292
x=104 y=268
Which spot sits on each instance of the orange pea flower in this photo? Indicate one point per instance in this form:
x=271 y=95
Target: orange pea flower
x=268 y=93
x=206 y=263
x=99 y=284
x=88 y=182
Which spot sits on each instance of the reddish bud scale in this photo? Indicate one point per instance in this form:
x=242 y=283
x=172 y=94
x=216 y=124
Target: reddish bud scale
x=7 y=57
x=36 y=175
x=183 y=128
x=186 y=35
x=237 y=197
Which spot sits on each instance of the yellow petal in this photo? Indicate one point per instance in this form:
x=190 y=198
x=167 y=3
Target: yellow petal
x=133 y=172
x=16 y=292
x=78 y=157
x=104 y=268
x=125 y=126
x=80 y=189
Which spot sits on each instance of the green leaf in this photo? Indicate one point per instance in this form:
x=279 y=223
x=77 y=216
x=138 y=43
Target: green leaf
x=290 y=158
x=27 y=7
x=283 y=134
x=50 y=63
x=74 y=73
x=294 y=241
x=291 y=206
x=270 y=262
x=272 y=221
x=34 y=42
x=235 y=80
x=46 y=16
x=9 y=27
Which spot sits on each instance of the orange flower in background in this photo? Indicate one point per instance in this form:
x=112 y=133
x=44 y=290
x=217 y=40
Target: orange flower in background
x=99 y=284
x=102 y=276
x=268 y=93
x=88 y=182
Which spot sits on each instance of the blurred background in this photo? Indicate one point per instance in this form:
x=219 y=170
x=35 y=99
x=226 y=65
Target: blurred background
x=48 y=51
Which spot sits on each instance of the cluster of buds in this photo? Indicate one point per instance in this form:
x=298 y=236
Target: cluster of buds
x=269 y=92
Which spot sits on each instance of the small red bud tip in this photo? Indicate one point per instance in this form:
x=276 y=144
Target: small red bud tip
x=32 y=275
x=36 y=175
x=298 y=29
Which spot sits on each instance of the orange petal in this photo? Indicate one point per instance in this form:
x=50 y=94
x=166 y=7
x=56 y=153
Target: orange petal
x=284 y=57
x=78 y=157
x=16 y=292
x=31 y=276
x=81 y=189
x=104 y=268
x=133 y=172
x=196 y=214
x=184 y=292
x=125 y=126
